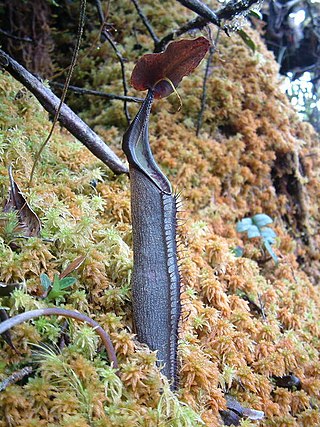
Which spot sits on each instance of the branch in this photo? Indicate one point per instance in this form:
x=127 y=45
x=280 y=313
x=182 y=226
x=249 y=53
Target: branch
x=54 y=311
x=198 y=23
x=15 y=377
x=201 y=9
x=227 y=12
x=146 y=22
x=100 y=12
x=212 y=51
x=67 y=117
x=234 y=8
x=106 y=36
x=83 y=91
x=11 y=36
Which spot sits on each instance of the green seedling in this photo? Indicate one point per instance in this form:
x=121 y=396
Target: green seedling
x=257 y=227
x=55 y=290
x=248 y=40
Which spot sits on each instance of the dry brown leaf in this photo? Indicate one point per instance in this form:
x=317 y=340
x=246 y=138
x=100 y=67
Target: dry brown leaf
x=72 y=266
x=29 y=221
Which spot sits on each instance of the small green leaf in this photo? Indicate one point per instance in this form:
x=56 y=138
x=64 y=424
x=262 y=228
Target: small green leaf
x=256 y=14
x=56 y=293
x=66 y=282
x=270 y=250
x=238 y=251
x=261 y=220
x=55 y=283
x=45 y=281
x=244 y=225
x=247 y=39
x=253 y=231
x=268 y=234
x=270 y=240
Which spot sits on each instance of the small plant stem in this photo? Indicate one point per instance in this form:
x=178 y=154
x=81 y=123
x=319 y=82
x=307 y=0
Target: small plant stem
x=54 y=311
x=212 y=51
x=82 y=16
x=83 y=91
x=146 y=22
x=123 y=72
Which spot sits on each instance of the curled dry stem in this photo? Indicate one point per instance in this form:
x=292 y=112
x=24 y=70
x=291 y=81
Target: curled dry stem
x=54 y=311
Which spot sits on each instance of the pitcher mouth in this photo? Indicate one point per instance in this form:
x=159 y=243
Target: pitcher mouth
x=136 y=146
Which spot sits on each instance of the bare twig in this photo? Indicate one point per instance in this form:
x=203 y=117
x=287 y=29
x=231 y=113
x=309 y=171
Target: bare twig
x=67 y=117
x=12 y=36
x=100 y=12
x=212 y=51
x=15 y=377
x=227 y=12
x=54 y=311
x=146 y=22
x=83 y=91
x=106 y=36
x=123 y=71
